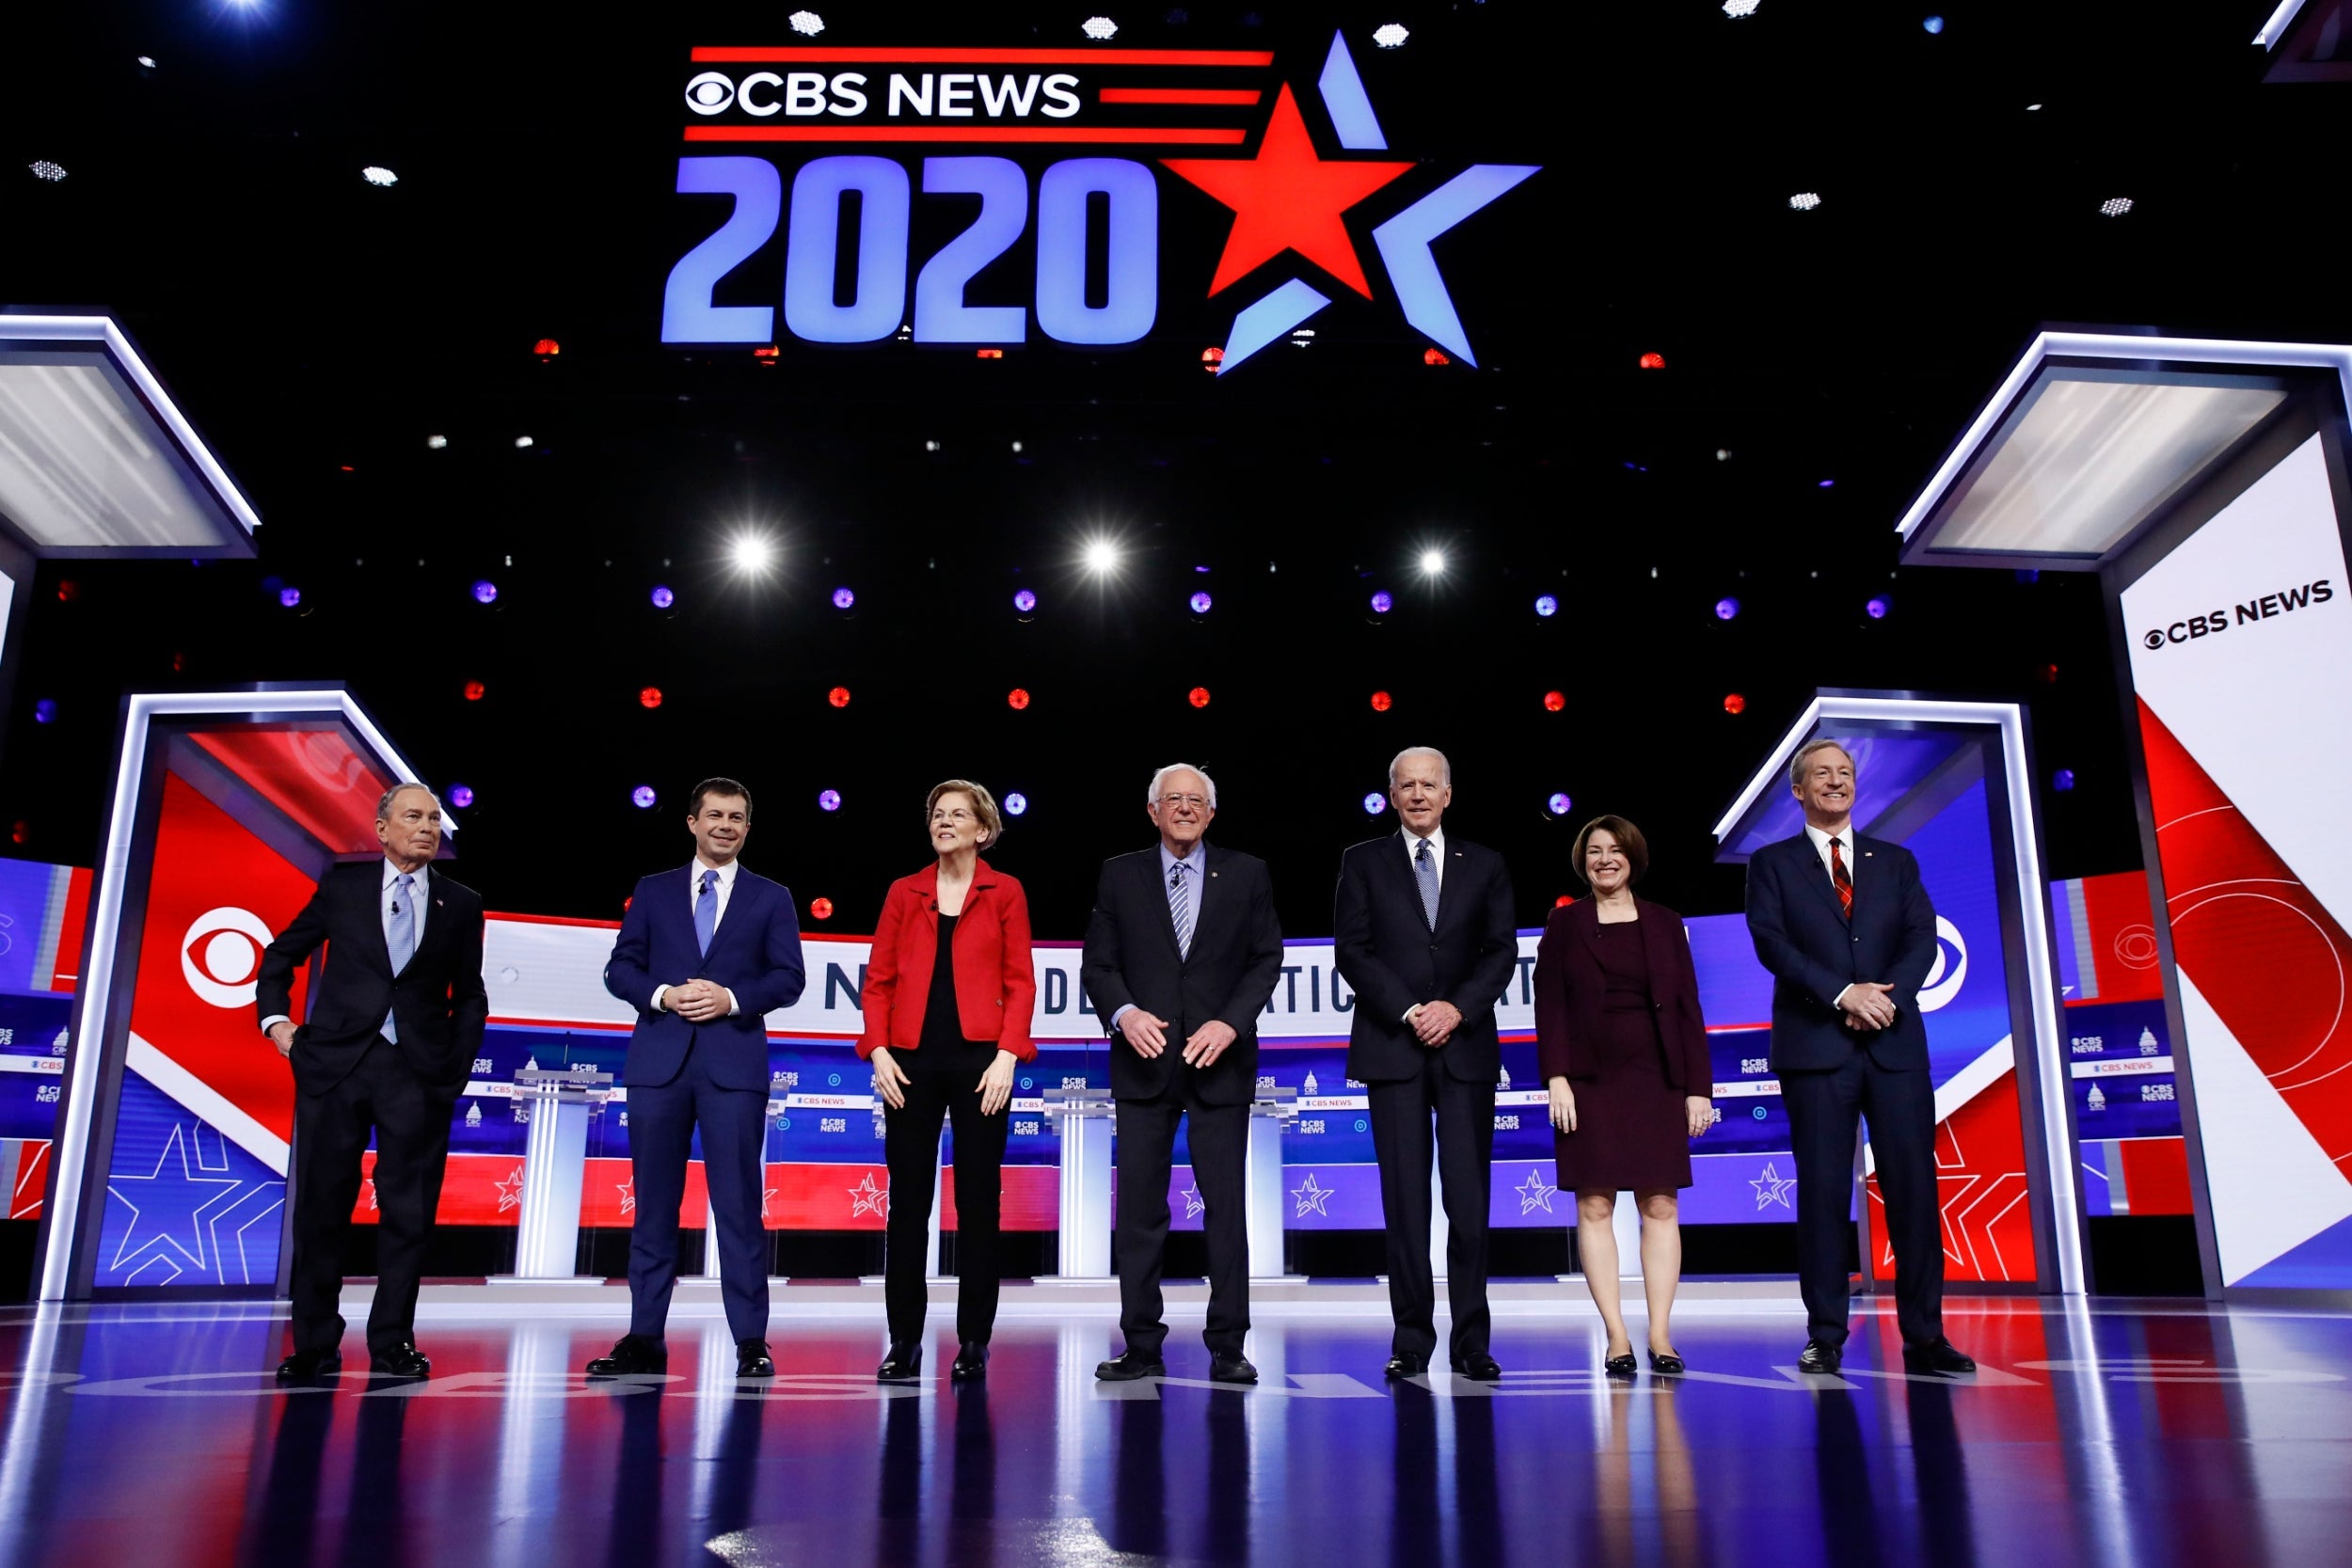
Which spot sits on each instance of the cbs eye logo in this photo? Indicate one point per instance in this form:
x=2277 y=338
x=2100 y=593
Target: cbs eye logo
x=220 y=957
x=1950 y=970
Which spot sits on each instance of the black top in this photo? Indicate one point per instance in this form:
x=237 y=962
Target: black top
x=942 y=1047
x=1623 y=967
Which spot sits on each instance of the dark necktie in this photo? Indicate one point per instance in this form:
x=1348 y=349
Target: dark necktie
x=1845 y=883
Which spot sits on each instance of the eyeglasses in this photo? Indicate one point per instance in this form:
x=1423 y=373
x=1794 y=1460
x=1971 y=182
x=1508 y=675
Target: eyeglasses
x=1195 y=801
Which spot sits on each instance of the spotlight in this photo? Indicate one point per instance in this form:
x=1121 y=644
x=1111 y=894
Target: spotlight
x=461 y=796
x=147 y=62
x=1434 y=356
x=475 y=691
x=820 y=909
x=2047 y=674
x=2115 y=206
x=1546 y=606
x=45 y=712
x=1211 y=359
x=1653 y=361
x=1197 y=696
x=44 y=169
x=1723 y=455
x=436 y=442
x=662 y=597
x=1555 y=702
x=1726 y=608
x=522 y=443
x=1805 y=201
x=1877 y=608
x=485 y=592
x=1024 y=601
x=642 y=796
x=1016 y=803
x=1382 y=702
x=546 y=349
x=751 y=553
x=1373 y=803
x=806 y=24
x=1101 y=557
x=377 y=174
x=1199 y=603
x=290 y=597
x=1558 y=805
x=1736 y=8
x=1933 y=23
x=989 y=353
x=1303 y=337
x=843 y=598
x=1016 y=445
x=2064 y=780
x=1391 y=35
x=1826 y=484
x=1381 y=603
x=838 y=696
x=1433 y=563
x=930 y=446
x=1099 y=27
x=829 y=800
x=649 y=697
x=1017 y=699
x=1735 y=704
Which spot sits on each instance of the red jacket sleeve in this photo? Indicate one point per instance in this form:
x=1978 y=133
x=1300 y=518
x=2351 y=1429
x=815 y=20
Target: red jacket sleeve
x=1019 y=983
x=878 y=996
x=1553 y=1056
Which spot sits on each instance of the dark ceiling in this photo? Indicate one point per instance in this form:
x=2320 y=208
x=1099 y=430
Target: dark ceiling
x=320 y=328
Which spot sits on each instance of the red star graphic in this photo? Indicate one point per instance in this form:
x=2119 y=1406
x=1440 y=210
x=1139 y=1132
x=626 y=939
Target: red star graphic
x=1287 y=199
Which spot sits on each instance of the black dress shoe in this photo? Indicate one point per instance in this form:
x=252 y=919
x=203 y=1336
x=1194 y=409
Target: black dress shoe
x=752 y=1360
x=1478 y=1366
x=634 y=1355
x=309 y=1366
x=1620 y=1366
x=1232 y=1367
x=1940 y=1356
x=1403 y=1367
x=403 y=1360
x=901 y=1362
x=1128 y=1366
x=1666 y=1365
x=1820 y=1356
x=971 y=1363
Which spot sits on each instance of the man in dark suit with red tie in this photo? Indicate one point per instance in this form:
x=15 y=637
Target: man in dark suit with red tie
x=706 y=952
x=1847 y=930
x=396 y=1019
x=1423 y=930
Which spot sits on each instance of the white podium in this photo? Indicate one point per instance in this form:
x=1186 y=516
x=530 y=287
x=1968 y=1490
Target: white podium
x=1086 y=1122
x=1263 y=1181
x=557 y=1103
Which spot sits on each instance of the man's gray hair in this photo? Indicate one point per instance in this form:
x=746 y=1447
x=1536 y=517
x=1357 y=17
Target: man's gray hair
x=1151 y=796
x=384 y=806
x=1803 y=758
x=1445 y=768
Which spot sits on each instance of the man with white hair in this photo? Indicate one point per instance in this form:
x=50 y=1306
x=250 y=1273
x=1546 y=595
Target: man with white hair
x=1423 y=930
x=1182 y=954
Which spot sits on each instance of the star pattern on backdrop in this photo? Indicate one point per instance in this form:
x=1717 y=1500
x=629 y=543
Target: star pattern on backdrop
x=1772 y=1187
x=170 y=1206
x=866 y=1198
x=628 y=1195
x=1195 y=1204
x=1536 y=1192
x=1311 y=1196
x=374 y=1207
x=510 y=1189
x=765 y=1193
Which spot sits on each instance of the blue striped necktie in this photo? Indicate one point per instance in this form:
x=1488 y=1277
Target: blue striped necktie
x=1179 y=909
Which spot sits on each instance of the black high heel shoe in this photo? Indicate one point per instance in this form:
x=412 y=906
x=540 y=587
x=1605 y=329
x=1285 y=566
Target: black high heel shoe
x=900 y=1364
x=1620 y=1366
x=1668 y=1365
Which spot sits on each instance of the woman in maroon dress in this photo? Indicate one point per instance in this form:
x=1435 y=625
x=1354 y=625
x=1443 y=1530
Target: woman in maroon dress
x=1624 y=1050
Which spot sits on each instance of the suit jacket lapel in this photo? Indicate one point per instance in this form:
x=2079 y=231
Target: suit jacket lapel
x=1815 y=872
x=1205 y=892
x=1164 y=921
x=1400 y=859
x=739 y=909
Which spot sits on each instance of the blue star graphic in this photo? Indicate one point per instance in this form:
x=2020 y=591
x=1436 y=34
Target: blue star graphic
x=1194 y=1203
x=1535 y=1192
x=1772 y=1187
x=1311 y=1197
x=174 y=1200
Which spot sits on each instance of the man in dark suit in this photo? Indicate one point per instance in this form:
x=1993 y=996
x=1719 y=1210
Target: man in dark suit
x=1846 y=928
x=1421 y=930
x=1182 y=953
x=396 y=1019
x=706 y=952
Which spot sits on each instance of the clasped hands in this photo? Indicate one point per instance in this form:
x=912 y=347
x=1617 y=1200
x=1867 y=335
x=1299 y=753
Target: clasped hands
x=1147 y=1033
x=1434 y=1023
x=1868 y=1005
x=1698 y=1109
x=697 y=1000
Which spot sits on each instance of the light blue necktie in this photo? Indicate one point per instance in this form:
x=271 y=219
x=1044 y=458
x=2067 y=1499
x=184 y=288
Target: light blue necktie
x=399 y=942
x=1179 y=909
x=707 y=911
x=1425 y=872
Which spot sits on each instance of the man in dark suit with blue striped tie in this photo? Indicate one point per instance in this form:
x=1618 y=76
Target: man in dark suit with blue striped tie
x=704 y=953
x=1847 y=930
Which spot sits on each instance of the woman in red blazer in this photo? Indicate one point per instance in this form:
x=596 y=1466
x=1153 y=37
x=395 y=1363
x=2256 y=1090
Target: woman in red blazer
x=948 y=997
x=1621 y=1043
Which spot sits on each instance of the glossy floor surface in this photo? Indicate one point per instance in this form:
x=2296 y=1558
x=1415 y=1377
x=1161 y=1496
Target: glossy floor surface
x=2102 y=1434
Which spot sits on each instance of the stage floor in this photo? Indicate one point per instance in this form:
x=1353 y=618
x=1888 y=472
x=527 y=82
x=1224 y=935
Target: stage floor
x=2110 y=1434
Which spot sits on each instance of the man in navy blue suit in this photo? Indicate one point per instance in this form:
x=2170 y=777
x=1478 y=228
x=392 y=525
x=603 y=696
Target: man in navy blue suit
x=1849 y=935
x=704 y=953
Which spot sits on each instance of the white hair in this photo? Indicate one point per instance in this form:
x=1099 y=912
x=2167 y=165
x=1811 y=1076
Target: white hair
x=1445 y=768
x=1151 y=796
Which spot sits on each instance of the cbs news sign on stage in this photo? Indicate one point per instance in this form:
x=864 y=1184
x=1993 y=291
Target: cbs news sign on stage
x=998 y=197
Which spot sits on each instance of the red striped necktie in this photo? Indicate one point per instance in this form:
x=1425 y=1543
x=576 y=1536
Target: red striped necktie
x=1845 y=883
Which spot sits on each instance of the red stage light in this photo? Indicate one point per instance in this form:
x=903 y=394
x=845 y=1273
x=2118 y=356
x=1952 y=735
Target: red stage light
x=649 y=697
x=768 y=354
x=821 y=908
x=1198 y=696
x=1431 y=357
x=21 y=833
x=1017 y=698
x=838 y=696
x=1735 y=704
x=1211 y=359
x=474 y=690
x=68 y=590
x=992 y=354
x=1382 y=701
x=1653 y=361
x=1563 y=901
x=2049 y=674
x=547 y=348
x=1555 y=701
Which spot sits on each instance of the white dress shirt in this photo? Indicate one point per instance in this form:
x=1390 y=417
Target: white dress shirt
x=1845 y=848
x=724 y=891
x=385 y=896
x=1436 y=858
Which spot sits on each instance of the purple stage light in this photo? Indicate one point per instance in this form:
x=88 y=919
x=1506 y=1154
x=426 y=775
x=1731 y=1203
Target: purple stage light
x=45 y=712
x=843 y=598
x=1024 y=601
x=2028 y=573
x=1825 y=484
x=1725 y=609
x=461 y=796
x=290 y=596
x=642 y=796
x=485 y=592
x=830 y=800
x=1016 y=803
x=1878 y=608
x=662 y=597
x=1546 y=606
x=1381 y=603
x=1559 y=805
x=2064 y=780
x=1204 y=570
x=1373 y=803
x=1200 y=602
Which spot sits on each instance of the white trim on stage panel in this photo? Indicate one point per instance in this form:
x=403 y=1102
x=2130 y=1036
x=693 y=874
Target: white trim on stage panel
x=2280 y=20
x=140 y=711
x=2041 y=961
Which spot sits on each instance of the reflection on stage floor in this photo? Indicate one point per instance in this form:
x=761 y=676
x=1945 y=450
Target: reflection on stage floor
x=2114 y=1434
